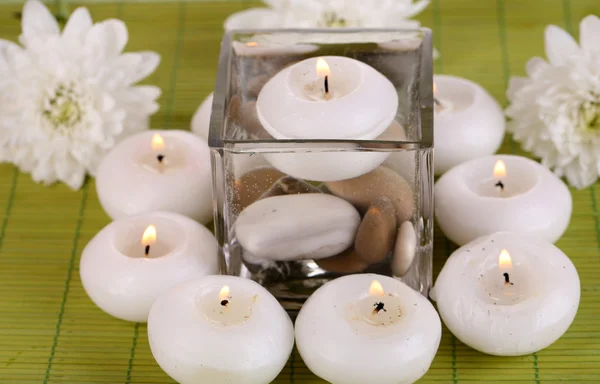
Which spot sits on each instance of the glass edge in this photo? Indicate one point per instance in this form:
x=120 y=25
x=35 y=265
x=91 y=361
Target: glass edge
x=217 y=115
x=426 y=89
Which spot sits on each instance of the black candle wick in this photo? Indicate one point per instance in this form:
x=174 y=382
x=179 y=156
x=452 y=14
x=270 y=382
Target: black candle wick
x=224 y=302
x=147 y=250
x=500 y=185
x=507 y=278
x=379 y=307
x=326 y=84
x=160 y=158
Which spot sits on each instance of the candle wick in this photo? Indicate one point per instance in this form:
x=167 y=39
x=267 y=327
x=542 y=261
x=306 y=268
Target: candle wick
x=437 y=102
x=326 y=84
x=379 y=307
x=224 y=302
x=147 y=250
x=160 y=158
x=507 y=279
x=500 y=185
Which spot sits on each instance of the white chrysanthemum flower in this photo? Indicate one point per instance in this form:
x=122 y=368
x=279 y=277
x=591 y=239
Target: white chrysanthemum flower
x=555 y=110
x=329 y=13
x=66 y=99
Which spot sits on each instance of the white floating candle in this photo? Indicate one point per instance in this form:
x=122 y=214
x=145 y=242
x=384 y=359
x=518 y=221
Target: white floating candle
x=263 y=46
x=157 y=171
x=507 y=294
x=327 y=98
x=469 y=123
x=132 y=261
x=368 y=329
x=220 y=330
x=501 y=193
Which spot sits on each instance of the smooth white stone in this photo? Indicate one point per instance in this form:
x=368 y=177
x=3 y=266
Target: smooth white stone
x=293 y=227
x=405 y=249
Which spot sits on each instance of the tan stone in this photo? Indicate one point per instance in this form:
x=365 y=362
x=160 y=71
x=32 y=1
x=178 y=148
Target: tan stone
x=289 y=185
x=364 y=190
x=253 y=184
x=377 y=232
x=345 y=262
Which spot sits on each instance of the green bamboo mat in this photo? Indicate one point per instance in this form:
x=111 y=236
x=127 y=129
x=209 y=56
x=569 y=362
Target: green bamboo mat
x=50 y=332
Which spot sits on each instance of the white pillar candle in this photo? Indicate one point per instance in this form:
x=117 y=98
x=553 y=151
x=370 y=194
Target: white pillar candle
x=327 y=98
x=132 y=261
x=507 y=294
x=220 y=330
x=368 y=328
x=501 y=193
x=157 y=171
x=469 y=123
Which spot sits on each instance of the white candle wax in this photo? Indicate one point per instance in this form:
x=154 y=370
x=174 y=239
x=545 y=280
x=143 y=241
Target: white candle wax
x=201 y=120
x=469 y=123
x=470 y=202
x=263 y=46
x=218 y=330
x=507 y=294
x=368 y=328
x=132 y=261
x=157 y=171
x=327 y=98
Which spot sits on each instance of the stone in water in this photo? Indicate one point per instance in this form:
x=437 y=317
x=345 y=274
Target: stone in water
x=253 y=184
x=345 y=262
x=362 y=191
x=377 y=232
x=405 y=249
x=296 y=227
x=289 y=185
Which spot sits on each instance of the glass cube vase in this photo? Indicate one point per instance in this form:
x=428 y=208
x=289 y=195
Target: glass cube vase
x=293 y=214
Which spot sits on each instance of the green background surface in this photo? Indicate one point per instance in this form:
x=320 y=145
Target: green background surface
x=50 y=332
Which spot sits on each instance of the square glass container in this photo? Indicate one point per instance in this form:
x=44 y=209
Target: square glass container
x=294 y=213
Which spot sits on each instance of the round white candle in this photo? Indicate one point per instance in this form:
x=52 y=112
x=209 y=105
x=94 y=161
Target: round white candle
x=157 y=171
x=201 y=119
x=507 y=294
x=368 y=329
x=265 y=46
x=327 y=98
x=124 y=280
x=470 y=202
x=469 y=123
x=218 y=330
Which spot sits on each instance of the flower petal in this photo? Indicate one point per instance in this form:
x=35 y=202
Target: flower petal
x=253 y=18
x=276 y=4
x=37 y=22
x=534 y=64
x=559 y=45
x=149 y=62
x=106 y=39
x=80 y=22
x=514 y=85
x=589 y=33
